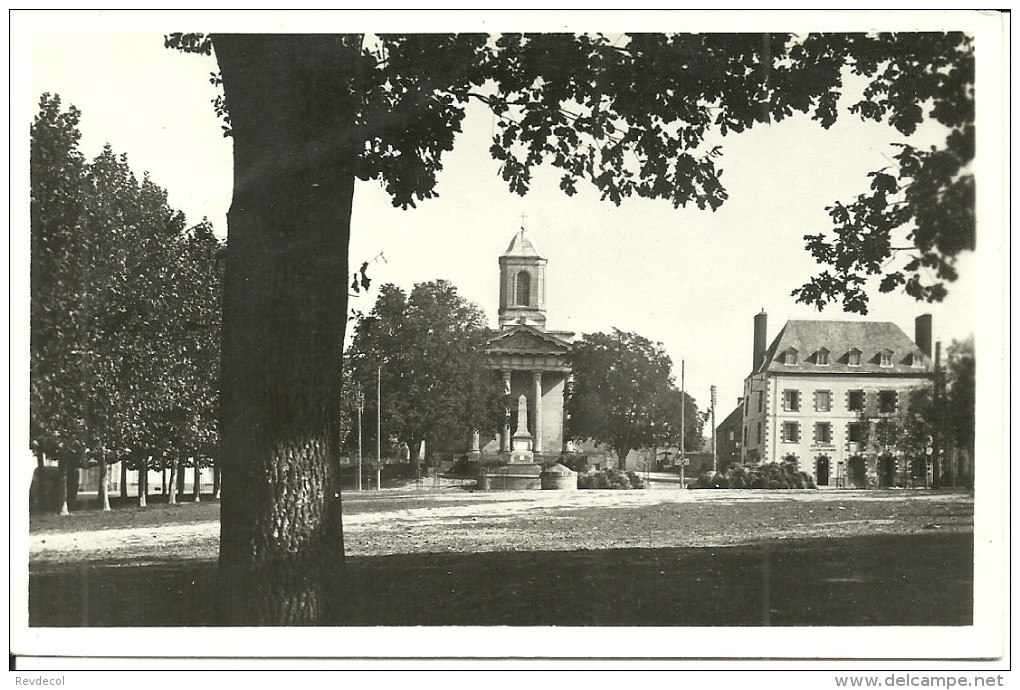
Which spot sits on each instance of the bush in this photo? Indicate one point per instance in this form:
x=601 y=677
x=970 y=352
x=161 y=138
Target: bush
x=771 y=475
x=708 y=480
x=609 y=479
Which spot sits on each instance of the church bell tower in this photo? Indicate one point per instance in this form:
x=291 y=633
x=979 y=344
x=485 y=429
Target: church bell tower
x=522 y=284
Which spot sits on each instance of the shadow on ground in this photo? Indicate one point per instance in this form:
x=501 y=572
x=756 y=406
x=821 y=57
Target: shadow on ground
x=916 y=579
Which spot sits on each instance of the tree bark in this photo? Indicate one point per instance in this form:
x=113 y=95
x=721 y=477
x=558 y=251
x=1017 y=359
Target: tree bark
x=196 y=490
x=103 y=492
x=171 y=497
x=285 y=305
x=123 y=477
x=162 y=477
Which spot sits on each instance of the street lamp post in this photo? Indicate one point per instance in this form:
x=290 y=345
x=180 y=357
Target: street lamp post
x=360 y=400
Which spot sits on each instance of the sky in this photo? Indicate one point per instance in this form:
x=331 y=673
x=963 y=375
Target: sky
x=690 y=279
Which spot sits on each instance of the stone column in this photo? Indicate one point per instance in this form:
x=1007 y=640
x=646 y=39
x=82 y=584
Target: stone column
x=537 y=443
x=504 y=441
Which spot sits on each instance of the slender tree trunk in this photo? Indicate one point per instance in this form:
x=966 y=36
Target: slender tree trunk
x=162 y=471
x=216 y=481
x=71 y=482
x=40 y=460
x=172 y=483
x=104 y=475
x=143 y=483
x=285 y=297
x=196 y=490
x=182 y=480
x=65 y=471
x=123 y=478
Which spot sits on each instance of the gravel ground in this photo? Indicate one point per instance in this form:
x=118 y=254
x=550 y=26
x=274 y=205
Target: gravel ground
x=392 y=522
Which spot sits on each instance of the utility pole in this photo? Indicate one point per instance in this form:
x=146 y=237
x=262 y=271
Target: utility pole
x=378 y=426
x=715 y=455
x=936 y=458
x=683 y=417
x=360 y=400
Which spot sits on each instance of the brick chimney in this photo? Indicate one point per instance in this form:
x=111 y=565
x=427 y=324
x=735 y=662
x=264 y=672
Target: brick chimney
x=922 y=333
x=760 y=323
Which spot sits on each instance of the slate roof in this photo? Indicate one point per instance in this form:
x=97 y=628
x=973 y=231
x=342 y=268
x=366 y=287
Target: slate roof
x=733 y=419
x=522 y=245
x=839 y=338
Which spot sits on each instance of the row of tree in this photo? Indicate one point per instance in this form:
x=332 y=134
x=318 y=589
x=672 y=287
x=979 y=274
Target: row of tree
x=425 y=352
x=125 y=314
x=937 y=418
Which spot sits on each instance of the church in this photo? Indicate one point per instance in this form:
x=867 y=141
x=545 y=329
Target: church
x=532 y=362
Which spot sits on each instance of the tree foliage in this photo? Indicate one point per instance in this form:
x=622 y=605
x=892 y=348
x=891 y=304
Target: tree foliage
x=624 y=395
x=923 y=204
x=639 y=115
x=960 y=393
x=125 y=308
x=435 y=380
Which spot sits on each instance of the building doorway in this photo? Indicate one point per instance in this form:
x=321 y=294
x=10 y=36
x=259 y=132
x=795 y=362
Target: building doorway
x=822 y=471
x=886 y=471
x=857 y=475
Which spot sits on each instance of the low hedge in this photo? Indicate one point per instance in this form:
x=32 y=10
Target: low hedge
x=773 y=475
x=609 y=479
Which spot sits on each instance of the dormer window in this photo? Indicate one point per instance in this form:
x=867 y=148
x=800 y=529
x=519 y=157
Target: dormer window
x=917 y=360
x=822 y=357
x=790 y=356
x=854 y=357
x=885 y=358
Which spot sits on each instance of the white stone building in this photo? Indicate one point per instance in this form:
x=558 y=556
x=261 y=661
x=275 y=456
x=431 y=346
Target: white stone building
x=814 y=395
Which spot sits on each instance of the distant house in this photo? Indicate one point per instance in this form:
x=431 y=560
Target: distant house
x=728 y=436
x=814 y=395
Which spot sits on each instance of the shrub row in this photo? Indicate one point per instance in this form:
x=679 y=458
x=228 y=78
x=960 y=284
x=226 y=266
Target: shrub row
x=609 y=479
x=773 y=475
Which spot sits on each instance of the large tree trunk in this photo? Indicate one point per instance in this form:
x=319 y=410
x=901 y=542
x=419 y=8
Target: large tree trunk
x=104 y=474
x=285 y=305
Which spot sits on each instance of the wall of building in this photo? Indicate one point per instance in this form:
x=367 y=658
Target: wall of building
x=808 y=448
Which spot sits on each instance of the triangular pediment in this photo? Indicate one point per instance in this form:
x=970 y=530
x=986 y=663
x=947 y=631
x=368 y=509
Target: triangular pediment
x=522 y=338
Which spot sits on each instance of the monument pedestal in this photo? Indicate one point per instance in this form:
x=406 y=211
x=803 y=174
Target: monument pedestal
x=521 y=470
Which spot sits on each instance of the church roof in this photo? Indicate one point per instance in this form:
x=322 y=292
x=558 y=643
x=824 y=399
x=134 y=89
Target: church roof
x=527 y=339
x=838 y=338
x=522 y=245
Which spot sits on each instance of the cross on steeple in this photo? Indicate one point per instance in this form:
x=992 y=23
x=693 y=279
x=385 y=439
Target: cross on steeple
x=522 y=220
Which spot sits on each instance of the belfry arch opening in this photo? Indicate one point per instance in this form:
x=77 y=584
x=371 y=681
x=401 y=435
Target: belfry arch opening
x=523 y=288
